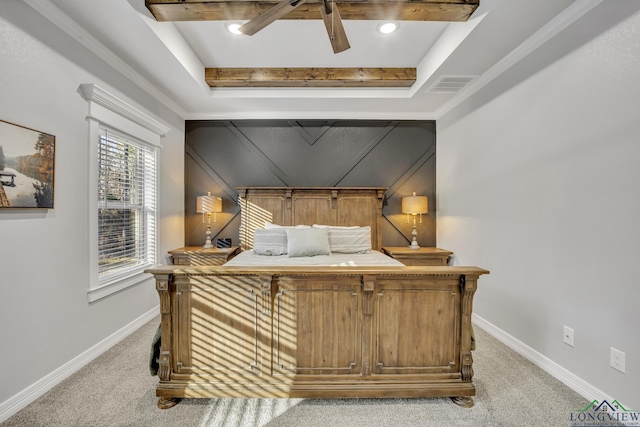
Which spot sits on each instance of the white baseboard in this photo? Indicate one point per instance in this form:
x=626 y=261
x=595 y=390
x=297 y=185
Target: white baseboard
x=563 y=375
x=40 y=387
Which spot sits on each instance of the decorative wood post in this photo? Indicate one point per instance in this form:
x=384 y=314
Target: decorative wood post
x=164 y=361
x=468 y=286
x=368 y=284
x=244 y=210
x=162 y=285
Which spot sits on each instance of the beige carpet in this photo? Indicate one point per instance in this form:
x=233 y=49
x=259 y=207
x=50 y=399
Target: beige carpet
x=117 y=390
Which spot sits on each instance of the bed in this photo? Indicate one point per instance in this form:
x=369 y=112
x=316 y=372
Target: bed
x=333 y=325
x=372 y=258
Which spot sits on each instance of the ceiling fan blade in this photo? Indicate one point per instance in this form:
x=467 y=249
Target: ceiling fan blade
x=268 y=17
x=335 y=29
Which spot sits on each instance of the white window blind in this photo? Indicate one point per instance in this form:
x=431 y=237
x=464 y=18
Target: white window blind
x=126 y=205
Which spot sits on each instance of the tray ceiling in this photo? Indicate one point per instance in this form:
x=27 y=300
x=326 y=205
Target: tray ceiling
x=169 y=59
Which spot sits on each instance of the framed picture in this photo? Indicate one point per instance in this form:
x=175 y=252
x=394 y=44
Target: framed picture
x=223 y=243
x=27 y=160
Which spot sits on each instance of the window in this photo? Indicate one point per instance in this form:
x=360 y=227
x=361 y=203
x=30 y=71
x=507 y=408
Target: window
x=124 y=145
x=126 y=205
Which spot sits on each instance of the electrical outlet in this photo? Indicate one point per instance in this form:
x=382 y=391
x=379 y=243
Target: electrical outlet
x=567 y=337
x=617 y=360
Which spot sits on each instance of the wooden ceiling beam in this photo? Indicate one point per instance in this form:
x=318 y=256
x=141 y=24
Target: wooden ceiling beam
x=400 y=10
x=310 y=77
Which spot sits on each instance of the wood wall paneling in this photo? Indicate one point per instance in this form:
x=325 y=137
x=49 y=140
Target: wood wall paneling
x=223 y=155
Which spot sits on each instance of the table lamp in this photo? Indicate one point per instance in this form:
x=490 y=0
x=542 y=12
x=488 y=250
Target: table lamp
x=415 y=205
x=207 y=205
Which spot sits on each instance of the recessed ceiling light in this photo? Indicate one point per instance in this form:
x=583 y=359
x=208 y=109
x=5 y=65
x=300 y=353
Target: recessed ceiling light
x=387 y=27
x=233 y=27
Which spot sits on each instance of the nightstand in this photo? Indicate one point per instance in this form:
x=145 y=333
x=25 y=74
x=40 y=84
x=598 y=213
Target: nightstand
x=422 y=256
x=197 y=255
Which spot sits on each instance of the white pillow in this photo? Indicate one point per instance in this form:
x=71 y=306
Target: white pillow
x=348 y=240
x=269 y=226
x=270 y=242
x=307 y=242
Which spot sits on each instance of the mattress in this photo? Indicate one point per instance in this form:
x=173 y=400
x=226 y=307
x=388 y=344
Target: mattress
x=373 y=258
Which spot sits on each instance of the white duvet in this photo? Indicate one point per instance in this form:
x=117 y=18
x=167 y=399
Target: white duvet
x=373 y=258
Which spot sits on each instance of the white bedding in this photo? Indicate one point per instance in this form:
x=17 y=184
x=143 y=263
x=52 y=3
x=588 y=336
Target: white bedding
x=373 y=258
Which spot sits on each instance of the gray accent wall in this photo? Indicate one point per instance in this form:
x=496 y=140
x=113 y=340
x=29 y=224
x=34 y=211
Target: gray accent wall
x=223 y=155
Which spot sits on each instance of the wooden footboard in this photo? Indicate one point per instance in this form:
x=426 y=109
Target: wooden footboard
x=326 y=332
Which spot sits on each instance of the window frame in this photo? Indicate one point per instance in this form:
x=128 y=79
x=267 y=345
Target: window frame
x=134 y=198
x=108 y=111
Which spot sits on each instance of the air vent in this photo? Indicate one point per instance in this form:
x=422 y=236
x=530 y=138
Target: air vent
x=451 y=84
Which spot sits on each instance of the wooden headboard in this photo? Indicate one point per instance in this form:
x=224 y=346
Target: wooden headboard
x=344 y=206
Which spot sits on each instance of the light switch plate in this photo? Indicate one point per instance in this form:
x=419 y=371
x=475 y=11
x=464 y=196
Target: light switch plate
x=617 y=360
x=568 y=336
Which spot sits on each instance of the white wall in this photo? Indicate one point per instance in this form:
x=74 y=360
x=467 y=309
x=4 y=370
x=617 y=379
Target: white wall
x=45 y=318
x=539 y=182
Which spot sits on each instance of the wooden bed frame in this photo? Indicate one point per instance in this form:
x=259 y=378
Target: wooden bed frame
x=317 y=332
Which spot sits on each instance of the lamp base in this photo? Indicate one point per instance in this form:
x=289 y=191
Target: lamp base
x=207 y=243
x=414 y=233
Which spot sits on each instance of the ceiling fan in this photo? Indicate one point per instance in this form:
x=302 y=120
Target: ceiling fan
x=330 y=16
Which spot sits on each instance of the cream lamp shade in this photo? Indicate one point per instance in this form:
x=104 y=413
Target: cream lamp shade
x=415 y=205
x=208 y=204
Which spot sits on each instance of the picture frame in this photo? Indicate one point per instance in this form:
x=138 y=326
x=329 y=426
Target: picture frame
x=27 y=167
x=223 y=243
